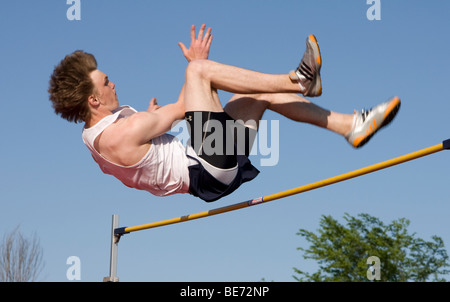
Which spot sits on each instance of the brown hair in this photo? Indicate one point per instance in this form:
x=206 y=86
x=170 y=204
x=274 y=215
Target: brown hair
x=71 y=85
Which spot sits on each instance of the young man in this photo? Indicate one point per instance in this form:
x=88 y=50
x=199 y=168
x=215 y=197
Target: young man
x=134 y=147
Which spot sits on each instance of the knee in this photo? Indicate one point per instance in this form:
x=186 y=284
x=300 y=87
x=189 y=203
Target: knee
x=197 y=69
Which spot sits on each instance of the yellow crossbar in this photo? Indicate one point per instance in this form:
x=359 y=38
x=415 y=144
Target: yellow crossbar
x=309 y=187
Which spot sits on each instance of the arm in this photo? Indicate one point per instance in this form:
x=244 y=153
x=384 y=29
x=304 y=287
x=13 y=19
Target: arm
x=127 y=141
x=157 y=120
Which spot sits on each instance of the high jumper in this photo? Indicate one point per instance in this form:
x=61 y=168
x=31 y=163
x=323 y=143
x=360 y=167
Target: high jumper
x=136 y=148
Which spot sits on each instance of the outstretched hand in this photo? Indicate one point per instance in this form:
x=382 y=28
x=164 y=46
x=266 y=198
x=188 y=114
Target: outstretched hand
x=199 y=48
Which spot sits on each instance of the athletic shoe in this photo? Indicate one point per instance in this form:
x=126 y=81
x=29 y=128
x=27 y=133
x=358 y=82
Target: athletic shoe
x=307 y=73
x=368 y=122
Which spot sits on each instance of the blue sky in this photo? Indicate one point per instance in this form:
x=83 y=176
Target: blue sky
x=51 y=186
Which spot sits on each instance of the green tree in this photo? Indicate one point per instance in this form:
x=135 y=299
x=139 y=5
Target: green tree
x=342 y=251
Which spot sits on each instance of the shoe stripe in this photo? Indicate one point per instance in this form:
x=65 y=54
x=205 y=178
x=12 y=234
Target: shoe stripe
x=306 y=66
x=305 y=75
x=310 y=74
x=305 y=72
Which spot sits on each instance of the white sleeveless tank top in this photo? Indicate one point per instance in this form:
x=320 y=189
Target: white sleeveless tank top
x=162 y=171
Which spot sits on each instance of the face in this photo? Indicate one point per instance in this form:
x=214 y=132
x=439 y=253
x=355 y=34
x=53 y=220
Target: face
x=104 y=90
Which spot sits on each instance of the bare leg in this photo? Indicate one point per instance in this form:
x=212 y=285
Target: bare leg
x=256 y=92
x=252 y=107
x=203 y=77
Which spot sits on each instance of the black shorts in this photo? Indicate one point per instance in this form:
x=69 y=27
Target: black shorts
x=225 y=147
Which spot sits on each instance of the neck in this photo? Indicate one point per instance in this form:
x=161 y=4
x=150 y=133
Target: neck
x=96 y=117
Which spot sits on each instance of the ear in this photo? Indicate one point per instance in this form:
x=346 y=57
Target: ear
x=93 y=101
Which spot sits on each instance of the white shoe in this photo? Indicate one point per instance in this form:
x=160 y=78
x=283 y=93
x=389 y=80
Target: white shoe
x=307 y=73
x=368 y=122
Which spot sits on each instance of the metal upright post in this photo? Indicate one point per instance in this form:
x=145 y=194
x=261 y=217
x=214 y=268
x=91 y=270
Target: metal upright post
x=113 y=257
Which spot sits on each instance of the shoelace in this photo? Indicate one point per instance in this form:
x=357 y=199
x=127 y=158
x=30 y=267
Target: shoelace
x=364 y=113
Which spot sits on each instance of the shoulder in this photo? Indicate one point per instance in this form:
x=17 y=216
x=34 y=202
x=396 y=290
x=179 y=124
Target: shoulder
x=120 y=144
x=139 y=124
x=125 y=130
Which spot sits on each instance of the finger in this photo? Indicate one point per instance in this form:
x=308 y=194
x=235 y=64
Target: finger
x=152 y=104
x=208 y=44
x=207 y=35
x=183 y=47
x=192 y=32
x=201 y=31
x=185 y=51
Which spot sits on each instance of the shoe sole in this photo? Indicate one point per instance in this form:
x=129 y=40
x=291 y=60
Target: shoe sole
x=389 y=115
x=318 y=62
x=317 y=53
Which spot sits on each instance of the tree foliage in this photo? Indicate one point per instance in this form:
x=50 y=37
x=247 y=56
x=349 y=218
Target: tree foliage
x=342 y=251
